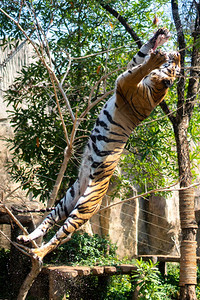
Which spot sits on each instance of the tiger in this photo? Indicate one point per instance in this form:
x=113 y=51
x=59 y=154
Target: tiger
x=138 y=90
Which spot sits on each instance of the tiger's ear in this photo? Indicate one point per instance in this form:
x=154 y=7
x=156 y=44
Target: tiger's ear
x=168 y=82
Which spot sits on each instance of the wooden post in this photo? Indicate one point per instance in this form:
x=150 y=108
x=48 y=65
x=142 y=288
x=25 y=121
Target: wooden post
x=188 y=264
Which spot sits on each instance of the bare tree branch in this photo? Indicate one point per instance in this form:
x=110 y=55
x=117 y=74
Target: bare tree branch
x=195 y=66
x=167 y=111
x=14 y=244
x=122 y=20
x=35 y=270
x=181 y=45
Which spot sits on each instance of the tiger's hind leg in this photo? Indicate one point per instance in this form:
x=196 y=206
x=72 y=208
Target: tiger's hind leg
x=86 y=207
x=61 y=236
x=59 y=213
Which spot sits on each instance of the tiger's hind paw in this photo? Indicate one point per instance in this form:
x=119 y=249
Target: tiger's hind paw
x=38 y=253
x=23 y=239
x=35 y=253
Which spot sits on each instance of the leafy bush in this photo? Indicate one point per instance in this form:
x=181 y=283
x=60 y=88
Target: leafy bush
x=84 y=249
x=119 y=288
x=147 y=278
x=151 y=284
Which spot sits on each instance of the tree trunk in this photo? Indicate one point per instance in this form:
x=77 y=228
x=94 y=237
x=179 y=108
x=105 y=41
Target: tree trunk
x=188 y=268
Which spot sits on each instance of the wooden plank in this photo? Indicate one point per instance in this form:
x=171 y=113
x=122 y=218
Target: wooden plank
x=126 y=269
x=97 y=270
x=163 y=258
x=110 y=270
x=82 y=271
x=63 y=271
x=74 y=271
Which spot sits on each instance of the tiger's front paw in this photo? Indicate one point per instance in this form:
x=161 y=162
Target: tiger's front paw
x=158 y=58
x=161 y=36
x=23 y=239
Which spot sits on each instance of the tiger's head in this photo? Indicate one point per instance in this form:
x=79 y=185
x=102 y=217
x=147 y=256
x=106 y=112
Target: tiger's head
x=159 y=80
x=170 y=69
x=164 y=76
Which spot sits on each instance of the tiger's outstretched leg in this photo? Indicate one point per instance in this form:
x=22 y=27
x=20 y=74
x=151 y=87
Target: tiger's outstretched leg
x=59 y=213
x=160 y=37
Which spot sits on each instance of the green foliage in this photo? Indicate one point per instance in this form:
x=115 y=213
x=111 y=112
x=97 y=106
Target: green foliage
x=84 y=249
x=152 y=285
x=173 y=273
x=148 y=280
x=194 y=140
x=198 y=282
x=38 y=142
x=119 y=288
x=171 y=283
x=151 y=158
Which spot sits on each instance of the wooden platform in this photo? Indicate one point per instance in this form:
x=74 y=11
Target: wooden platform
x=123 y=269
x=72 y=272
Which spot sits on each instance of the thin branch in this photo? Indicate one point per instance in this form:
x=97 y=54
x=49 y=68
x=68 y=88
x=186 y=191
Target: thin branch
x=68 y=68
x=95 y=103
x=59 y=177
x=178 y=24
x=20 y=10
x=65 y=98
x=97 y=83
x=100 y=52
x=59 y=111
x=194 y=71
x=107 y=55
x=182 y=45
x=167 y=111
x=30 y=278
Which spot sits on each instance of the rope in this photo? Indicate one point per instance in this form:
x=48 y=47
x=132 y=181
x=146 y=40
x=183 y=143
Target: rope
x=186 y=204
x=188 y=263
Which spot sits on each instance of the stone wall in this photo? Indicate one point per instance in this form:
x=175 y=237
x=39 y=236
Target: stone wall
x=11 y=62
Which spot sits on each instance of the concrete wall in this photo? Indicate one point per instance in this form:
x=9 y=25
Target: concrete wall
x=11 y=62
